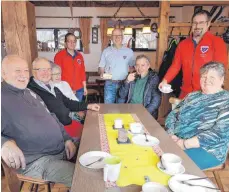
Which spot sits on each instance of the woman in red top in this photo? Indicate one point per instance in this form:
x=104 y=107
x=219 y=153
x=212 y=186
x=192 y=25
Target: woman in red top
x=72 y=65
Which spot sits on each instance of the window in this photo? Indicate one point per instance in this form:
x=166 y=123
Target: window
x=141 y=42
x=51 y=40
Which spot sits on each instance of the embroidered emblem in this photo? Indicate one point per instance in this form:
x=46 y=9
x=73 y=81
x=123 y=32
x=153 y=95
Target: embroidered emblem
x=124 y=57
x=204 y=49
x=79 y=61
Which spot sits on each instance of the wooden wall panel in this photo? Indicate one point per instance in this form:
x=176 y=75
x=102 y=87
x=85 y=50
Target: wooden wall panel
x=19 y=29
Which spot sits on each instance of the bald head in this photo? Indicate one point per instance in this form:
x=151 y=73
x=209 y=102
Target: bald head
x=15 y=71
x=117 y=37
x=42 y=70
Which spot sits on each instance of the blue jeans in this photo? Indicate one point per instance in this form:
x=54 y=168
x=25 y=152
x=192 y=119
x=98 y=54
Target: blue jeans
x=111 y=91
x=79 y=94
x=202 y=158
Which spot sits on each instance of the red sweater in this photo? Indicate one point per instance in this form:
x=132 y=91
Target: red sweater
x=191 y=59
x=73 y=70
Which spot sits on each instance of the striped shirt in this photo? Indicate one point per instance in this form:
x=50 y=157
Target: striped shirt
x=205 y=116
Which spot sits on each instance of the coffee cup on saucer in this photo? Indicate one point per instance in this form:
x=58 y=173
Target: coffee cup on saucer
x=118 y=124
x=171 y=162
x=136 y=127
x=166 y=88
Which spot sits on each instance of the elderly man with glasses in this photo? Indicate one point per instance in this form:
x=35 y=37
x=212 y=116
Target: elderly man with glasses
x=55 y=100
x=195 y=51
x=117 y=61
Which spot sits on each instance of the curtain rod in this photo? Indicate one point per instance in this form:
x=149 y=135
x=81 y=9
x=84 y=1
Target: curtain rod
x=62 y=17
x=133 y=17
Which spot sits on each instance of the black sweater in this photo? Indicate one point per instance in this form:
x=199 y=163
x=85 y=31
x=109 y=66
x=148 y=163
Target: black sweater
x=60 y=105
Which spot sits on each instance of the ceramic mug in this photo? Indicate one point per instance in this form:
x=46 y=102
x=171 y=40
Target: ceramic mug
x=171 y=162
x=136 y=127
x=111 y=169
x=166 y=87
x=118 y=123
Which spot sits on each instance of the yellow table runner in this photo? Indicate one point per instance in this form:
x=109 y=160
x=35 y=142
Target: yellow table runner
x=137 y=161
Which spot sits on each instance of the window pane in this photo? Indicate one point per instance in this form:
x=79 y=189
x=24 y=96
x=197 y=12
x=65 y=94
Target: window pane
x=61 y=38
x=61 y=35
x=45 y=40
x=145 y=41
x=126 y=39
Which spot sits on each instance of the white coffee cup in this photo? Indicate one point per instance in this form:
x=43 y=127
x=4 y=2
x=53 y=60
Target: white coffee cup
x=151 y=187
x=111 y=169
x=118 y=123
x=166 y=87
x=136 y=127
x=171 y=162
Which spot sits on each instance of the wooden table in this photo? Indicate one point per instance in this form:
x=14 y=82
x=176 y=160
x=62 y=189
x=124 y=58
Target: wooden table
x=85 y=180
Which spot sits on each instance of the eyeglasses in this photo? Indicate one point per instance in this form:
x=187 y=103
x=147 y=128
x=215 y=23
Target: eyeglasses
x=56 y=74
x=71 y=42
x=43 y=69
x=117 y=36
x=201 y=23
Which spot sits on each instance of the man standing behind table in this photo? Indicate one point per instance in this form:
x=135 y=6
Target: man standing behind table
x=72 y=66
x=194 y=52
x=116 y=60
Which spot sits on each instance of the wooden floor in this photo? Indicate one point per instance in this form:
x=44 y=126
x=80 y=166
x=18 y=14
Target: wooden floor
x=224 y=175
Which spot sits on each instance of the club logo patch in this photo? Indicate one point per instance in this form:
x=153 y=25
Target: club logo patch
x=124 y=57
x=204 y=49
x=78 y=61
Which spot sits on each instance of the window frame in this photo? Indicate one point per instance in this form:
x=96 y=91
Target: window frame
x=139 y=49
x=55 y=33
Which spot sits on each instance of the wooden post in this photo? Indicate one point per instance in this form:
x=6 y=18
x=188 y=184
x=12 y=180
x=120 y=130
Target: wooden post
x=163 y=31
x=20 y=29
x=162 y=46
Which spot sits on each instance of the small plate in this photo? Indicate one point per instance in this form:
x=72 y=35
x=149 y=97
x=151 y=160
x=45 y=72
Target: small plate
x=153 y=186
x=181 y=170
x=170 y=91
x=176 y=186
x=141 y=140
x=91 y=157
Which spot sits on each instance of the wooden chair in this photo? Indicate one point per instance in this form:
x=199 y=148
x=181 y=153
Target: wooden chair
x=16 y=181
x=92 y=96
x=100 y=89
x=215 y=172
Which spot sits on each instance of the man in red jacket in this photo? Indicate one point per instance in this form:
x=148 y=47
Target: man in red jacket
x=72 y=66
x=194 y=52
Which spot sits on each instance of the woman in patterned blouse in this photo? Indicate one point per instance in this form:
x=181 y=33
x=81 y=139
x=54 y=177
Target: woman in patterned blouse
x=200 y=123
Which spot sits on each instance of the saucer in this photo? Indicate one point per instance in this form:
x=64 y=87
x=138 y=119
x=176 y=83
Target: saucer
x=153 y=186
x=91 y=157
x=141 y=140
x=176 y=186
x=169 y=91
x=181 y=170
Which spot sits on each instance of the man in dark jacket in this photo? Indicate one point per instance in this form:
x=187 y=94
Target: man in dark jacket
x=55 y=100
x=141 y=87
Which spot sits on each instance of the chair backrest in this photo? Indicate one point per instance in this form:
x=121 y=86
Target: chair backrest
x=11 y=178
x=174 y=101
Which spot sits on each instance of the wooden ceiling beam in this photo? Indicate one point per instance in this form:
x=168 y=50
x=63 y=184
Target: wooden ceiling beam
x=70 y=2
x=197 y=2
